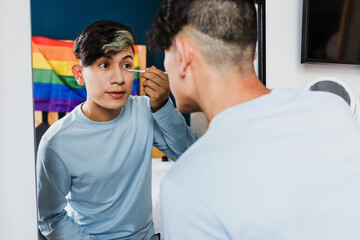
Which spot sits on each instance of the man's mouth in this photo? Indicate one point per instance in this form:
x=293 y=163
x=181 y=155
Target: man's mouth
x=116 y=94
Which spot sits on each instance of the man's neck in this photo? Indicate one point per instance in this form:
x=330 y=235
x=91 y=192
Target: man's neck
x=229 y=90
x=98 y=114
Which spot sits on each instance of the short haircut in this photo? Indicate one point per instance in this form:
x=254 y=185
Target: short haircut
x=225 y=30
x=102 y=39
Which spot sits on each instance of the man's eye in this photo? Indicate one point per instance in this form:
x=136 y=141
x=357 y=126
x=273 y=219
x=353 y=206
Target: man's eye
x=127 y=65
x=104 y=65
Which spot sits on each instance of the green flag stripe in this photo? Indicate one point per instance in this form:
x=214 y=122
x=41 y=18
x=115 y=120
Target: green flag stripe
x=49 y=76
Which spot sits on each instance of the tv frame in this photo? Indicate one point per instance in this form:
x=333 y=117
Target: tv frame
x=304 y=41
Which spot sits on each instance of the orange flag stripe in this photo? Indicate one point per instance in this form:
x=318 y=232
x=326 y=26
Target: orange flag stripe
x=58 y=53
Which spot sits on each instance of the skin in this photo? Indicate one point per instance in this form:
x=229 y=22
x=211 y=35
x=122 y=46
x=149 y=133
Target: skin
x=109 y=84
x=198 y=86
x=157 y=87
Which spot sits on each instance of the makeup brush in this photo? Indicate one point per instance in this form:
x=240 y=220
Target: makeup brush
x=138 y=71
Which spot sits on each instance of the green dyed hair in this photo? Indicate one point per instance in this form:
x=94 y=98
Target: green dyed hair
x=123 y=39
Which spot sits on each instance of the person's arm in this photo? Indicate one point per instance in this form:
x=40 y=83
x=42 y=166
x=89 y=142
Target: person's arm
x=53 y=184
x=184 y=216
x=171 y=133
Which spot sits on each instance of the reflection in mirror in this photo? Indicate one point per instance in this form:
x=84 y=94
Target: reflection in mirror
x=94 y=146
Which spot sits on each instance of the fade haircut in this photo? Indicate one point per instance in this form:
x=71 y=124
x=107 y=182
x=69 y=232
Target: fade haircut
x=224 y=30
x=102 y=39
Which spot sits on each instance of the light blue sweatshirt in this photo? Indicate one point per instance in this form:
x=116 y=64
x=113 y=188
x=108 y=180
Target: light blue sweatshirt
x=284 y=166
x=105 y=169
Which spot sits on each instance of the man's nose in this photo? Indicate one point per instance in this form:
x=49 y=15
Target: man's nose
x=117 y=76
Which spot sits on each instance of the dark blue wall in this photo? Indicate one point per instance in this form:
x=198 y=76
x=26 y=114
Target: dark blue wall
x=66 y=19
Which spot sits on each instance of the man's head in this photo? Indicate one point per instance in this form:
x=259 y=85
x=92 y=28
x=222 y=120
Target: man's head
x=224 y=32
x=223 y=28
x=105 y=52
x=102 y=39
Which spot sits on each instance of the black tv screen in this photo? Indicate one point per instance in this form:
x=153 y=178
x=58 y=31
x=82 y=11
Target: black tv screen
x=331 y=31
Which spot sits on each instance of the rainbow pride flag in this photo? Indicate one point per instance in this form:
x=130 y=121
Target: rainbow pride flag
x=55 y=87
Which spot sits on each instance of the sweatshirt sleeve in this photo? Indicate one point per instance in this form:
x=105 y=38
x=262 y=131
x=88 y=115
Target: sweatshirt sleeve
x=53 y=184
x=171 y=133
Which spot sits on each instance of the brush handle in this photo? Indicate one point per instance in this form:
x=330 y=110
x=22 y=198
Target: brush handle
x=139 y=71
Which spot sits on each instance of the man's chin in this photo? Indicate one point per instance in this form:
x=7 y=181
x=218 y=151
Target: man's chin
x=114 y=107
x=188 y=108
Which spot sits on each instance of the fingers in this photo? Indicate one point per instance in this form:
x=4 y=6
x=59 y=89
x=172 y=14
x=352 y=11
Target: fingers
x=156 y=80
x=159 y=72
x=158 y=95
x=152 y=93
x=155 y=91
x=155 y=74
x=156 y=86
x=152 y=84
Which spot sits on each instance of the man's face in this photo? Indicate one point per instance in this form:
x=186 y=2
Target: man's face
x=181 y=88
x=108 y=83
x=171 y=65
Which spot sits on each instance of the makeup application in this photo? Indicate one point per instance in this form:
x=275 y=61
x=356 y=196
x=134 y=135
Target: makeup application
x=134 y=70
x=138 y=71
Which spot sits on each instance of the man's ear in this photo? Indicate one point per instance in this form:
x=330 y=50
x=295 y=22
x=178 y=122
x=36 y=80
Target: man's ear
x=184 y=50
x=77 y=71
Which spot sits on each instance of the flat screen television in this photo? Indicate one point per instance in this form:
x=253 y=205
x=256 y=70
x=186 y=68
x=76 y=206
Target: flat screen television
x=331 y=31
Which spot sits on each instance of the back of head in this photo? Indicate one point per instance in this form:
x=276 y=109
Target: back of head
x=224 y=30
x=102 y=39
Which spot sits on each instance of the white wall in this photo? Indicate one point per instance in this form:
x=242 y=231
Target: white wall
x=283 y=49
x=17 y=169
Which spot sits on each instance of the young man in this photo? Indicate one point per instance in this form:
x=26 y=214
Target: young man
x=273 y=164
x=99 y=156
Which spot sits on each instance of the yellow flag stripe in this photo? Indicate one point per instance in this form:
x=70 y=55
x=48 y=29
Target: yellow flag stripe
x=136 y=60
x=59 y=67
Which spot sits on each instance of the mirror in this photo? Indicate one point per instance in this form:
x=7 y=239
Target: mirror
x=66 y=19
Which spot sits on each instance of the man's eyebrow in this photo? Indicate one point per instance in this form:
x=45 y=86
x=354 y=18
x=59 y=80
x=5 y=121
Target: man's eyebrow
x=104 y=58
x=110 y=58
x=128 y=56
